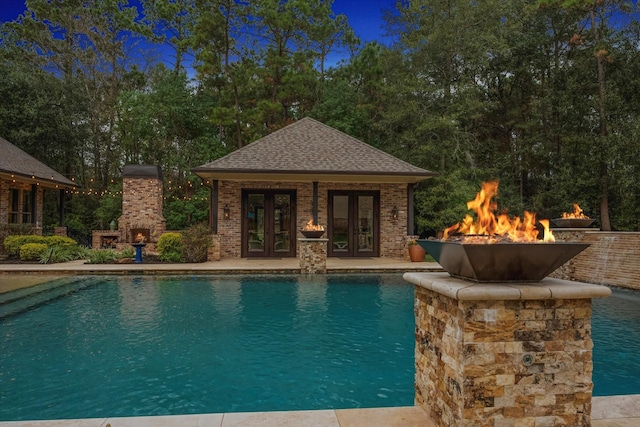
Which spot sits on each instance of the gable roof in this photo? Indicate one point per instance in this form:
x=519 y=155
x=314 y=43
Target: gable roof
x=17 y=164
x=308 y=150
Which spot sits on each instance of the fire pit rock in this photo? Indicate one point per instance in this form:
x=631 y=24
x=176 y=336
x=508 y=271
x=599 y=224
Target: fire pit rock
x=504 y=262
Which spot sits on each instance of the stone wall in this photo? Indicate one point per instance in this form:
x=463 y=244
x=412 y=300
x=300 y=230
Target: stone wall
x=392 y=231
x=497 y=361
x=313 y=255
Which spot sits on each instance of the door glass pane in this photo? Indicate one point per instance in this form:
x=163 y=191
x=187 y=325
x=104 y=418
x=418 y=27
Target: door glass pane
x=365 y=223
x=282 y=223
x=340 y=237
x=255 y=229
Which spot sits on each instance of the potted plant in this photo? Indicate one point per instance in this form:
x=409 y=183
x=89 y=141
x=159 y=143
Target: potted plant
x=416 y=253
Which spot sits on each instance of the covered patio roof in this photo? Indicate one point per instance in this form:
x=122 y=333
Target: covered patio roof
x=16 y=164
x=307 y=151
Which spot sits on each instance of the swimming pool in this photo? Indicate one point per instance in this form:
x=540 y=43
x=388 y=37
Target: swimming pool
x=128 y=346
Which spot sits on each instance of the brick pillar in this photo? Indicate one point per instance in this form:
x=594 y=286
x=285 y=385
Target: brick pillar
x=313 y=255
x=500 y=355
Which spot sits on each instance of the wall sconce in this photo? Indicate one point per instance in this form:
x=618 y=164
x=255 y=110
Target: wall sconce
x=394 y=212
x=225 y=212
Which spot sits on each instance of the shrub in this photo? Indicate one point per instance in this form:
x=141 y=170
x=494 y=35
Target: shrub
x=197 y=241
x=12 y=244
x=60 y=241
x=103 y=256
x=171 y=247
x=32 y=251
x=56 y=253
x=128 y=252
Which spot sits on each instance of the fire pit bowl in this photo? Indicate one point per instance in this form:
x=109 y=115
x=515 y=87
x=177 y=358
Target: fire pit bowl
x=312 y=234
x=505 y=262
x=572 y=222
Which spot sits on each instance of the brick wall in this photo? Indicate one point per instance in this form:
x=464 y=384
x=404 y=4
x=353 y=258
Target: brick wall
x=141 y=208
x=610 y=260
x=4 y=201
x=392 y=231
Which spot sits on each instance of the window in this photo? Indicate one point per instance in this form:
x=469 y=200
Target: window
x=20 y=206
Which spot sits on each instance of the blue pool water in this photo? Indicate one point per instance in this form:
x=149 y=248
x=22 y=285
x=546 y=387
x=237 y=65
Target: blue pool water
x=615 y=329
x=167 y=345
x=129 y=346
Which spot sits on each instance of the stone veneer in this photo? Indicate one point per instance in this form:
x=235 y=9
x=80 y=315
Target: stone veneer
x=313 y=255
x=392 y=231
x=503 y=354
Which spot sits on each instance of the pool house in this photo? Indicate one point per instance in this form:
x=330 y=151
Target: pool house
x=265 y=193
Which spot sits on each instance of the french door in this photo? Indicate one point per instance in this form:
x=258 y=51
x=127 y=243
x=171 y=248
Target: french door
x=268 y=225
x=354 y=223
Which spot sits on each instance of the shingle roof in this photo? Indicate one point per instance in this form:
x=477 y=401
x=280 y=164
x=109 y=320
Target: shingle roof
x=308 y=147
x=14 y=161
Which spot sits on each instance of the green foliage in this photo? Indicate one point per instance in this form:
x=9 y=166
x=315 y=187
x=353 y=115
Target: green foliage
x=197 y=240
x=515 y=96
x=180 y=213
x=32 y=251
x=55 y=254
x=171 y=247
x=127 y=252
x=103 y=256
x=63 y=241
x=12 y=244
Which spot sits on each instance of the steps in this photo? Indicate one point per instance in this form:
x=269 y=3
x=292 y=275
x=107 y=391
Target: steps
x=23 y=299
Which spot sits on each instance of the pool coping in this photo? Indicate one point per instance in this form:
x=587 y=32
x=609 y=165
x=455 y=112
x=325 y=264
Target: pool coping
x=607 y=411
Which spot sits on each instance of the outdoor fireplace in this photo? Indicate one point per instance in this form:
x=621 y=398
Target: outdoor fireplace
x=498 y=248
x=142 y=198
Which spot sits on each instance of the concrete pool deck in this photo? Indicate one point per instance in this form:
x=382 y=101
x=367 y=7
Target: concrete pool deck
x=610 y=411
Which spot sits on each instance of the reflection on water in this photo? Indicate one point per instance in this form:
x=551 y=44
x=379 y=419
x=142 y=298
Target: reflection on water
x=133 y=346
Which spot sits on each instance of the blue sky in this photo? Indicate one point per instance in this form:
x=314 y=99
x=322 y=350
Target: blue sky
x=365 y=16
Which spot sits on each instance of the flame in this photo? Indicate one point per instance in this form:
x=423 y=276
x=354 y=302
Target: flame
x=311 y=227
x=489 y=228
x=577 y=213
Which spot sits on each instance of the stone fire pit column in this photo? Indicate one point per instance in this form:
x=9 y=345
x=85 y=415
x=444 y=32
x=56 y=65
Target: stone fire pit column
x=313 y=255
x=503 y=354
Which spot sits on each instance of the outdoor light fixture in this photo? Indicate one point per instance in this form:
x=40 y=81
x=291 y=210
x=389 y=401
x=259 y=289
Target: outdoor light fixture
x=394 y=212
x=225 y=212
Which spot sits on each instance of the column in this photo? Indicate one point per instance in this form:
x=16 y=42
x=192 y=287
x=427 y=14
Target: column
x=504 y=354
x=313 y=255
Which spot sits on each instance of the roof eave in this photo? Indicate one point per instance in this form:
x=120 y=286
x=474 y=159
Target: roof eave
x=31 y=179
x=312 y=176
